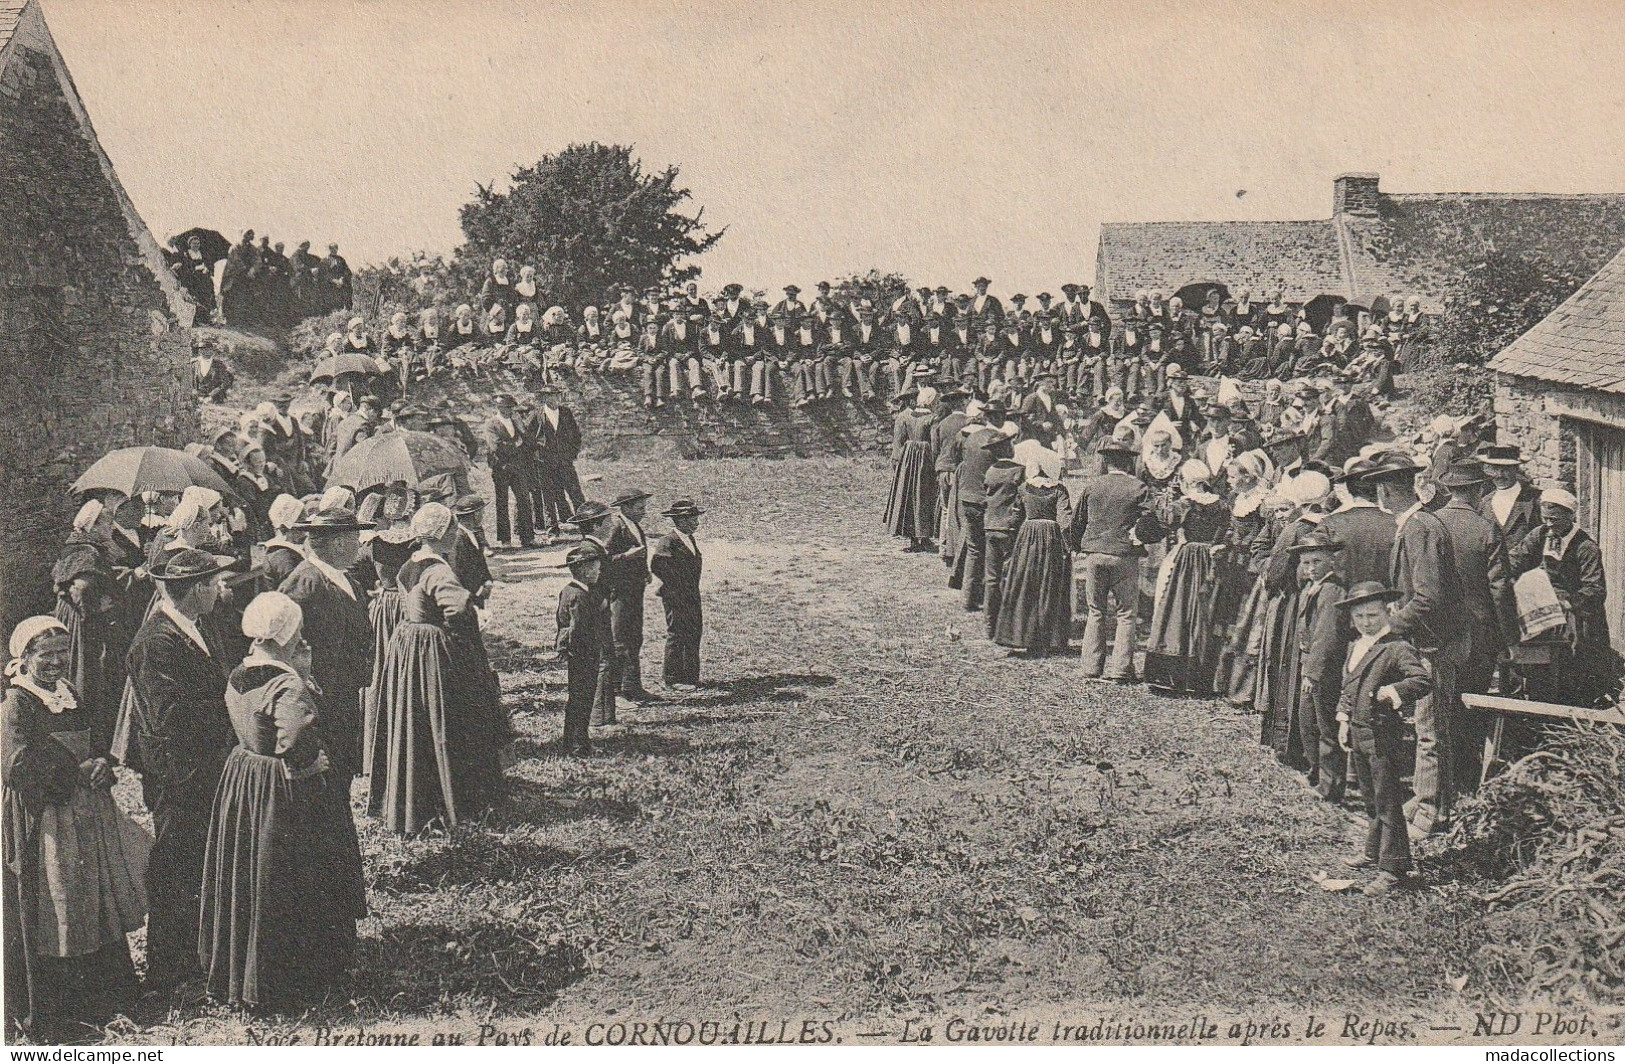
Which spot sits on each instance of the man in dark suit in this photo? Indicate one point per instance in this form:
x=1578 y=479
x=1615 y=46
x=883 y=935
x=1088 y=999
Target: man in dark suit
x=1001 y=520
x=1182 y=408
x=626 y=575
x=1572 y=560
x=1422 y=569
x=468 y=555
x=182 y=735
x=985 y=310
x=507 y=452
x=1114 y=518
x=1365 y=530
x=1080 y=309
x=676 y=564
x=337 y=628
x=1512 y=505
x=1040 y=420
x=555 y=436
x=1486 y=608
x=969 y=477
x=1345 y=424
x=580 y=642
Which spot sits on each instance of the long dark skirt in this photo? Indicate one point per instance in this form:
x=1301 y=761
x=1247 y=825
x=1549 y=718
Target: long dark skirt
x=1035 y=610
x=1181 y=650
x=282 y=884
x=911 y=509
x=479 y=730
x=1273 y=697
x=57 y=999
x=95 y=667
x=385 y=611
x=1238 y=662
x=416 y=785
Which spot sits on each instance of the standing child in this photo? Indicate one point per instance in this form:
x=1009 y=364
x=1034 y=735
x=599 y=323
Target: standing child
x=676 y=563
x=1321 y=638
x=1383 y=674
x=580 y=641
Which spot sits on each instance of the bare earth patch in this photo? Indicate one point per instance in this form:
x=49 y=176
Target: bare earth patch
x=869 y=811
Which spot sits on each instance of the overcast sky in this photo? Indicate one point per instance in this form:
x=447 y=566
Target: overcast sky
x=939 y=139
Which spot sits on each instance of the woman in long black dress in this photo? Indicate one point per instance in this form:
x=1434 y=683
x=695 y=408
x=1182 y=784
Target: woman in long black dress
x=87 y=604
x=436 y=699
x=1182 y=647
x=911 y=508
x=74 y=865
x=282 y=885
x=1035 y=612
x=383 y=551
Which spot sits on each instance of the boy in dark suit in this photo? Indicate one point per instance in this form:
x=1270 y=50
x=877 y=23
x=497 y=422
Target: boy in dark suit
x=676 y=563
x=580 y=641
x=1383 y=674
x=1320 y=662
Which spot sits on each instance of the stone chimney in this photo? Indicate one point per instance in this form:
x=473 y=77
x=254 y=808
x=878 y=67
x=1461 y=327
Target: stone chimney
x=1354 y=194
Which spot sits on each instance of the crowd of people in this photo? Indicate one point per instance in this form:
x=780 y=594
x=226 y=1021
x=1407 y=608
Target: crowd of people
x=1346 y=586
x=732 y=346
x=262 y=286
x=252 y=654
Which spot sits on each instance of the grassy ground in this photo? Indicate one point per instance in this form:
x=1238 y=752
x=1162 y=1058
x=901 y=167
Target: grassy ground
x=870 y=811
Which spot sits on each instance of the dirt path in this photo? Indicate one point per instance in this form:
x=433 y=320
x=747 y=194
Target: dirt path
x=873 y=811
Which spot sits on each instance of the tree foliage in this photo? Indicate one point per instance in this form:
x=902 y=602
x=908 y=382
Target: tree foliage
x=588 y=218
x=883 y=288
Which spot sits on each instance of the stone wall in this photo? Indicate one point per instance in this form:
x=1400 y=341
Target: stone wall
x=91 y=357
x=1541 y=418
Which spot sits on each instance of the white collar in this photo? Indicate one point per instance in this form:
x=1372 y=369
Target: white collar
x=58 y=701
x=1356 y=503
x=1362 y=646
x=1401 y=518
x=186 y=625
x=338 y=578
x=279 y=540
x=258 y=657
x=579 y=584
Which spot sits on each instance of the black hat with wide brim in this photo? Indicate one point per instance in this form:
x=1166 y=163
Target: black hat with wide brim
x=190 y=564
x=682 y=508
x=1368 y=591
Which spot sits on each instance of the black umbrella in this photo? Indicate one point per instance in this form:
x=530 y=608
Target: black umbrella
x=213 y=245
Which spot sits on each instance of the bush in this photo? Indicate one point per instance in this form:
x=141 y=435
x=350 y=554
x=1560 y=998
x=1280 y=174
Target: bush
x=1459 y=390
x=1551 y=832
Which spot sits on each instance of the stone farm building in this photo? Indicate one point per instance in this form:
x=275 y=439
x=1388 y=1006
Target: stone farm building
x=93 y=344
x=1375 y=243
x=1560 y=395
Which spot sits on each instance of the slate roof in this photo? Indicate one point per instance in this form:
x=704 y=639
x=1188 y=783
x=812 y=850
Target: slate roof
x=1423 y=242
x=1300 y=257
x=10 y=12
x=1411 y=244
x=1582 y=342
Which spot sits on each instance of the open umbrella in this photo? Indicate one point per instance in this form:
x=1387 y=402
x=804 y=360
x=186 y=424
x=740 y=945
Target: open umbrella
x=339 y=365
x=213 y=245
x=399 y=454
x=131 y=470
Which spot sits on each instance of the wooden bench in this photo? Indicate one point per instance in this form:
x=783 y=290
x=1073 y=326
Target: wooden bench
x=1500 y=705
